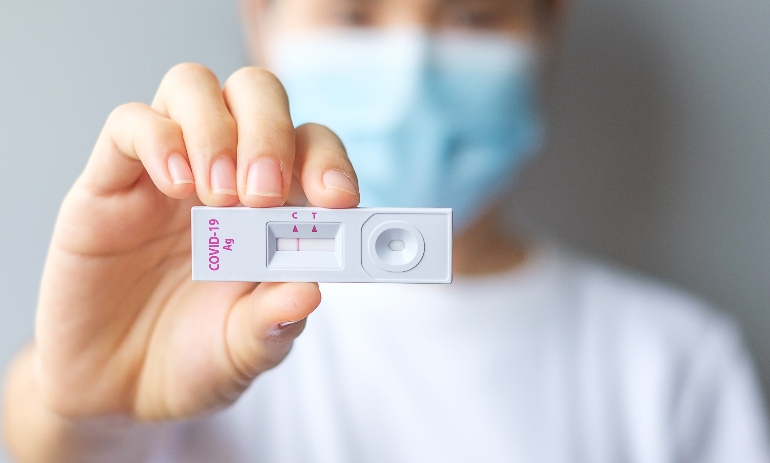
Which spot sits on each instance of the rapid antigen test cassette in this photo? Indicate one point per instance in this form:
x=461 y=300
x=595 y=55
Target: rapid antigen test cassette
x=362 y=245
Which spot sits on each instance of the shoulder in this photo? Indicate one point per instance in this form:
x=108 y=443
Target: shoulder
x=625 y=299
x=680 y=364
x=642 y=319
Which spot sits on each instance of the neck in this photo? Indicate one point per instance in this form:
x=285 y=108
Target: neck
x=486 y=247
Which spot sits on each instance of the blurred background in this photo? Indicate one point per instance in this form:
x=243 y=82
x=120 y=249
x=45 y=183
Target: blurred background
x=659 y=154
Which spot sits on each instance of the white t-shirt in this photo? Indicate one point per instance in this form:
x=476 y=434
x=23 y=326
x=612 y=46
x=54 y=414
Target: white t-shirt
x=560 y=360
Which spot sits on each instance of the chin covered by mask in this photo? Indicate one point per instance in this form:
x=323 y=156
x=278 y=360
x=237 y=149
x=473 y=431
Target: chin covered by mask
x=427 y=119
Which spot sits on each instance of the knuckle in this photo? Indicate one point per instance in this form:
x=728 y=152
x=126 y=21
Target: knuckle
x=127 y=109
x=259 y=77
x=252 y=73
x=218 y=128
x=272 y=135
x=142 y=123
x=317 y=137
x=185 y=71
x=267 y=137
x=165 y=129
x=311 y=128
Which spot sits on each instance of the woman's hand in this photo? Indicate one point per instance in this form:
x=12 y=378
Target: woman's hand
x=121 y=328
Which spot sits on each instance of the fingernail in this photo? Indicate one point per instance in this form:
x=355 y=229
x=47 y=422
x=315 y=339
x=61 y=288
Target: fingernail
x=334 y=179
x=285 y=324
x=223 y=176
x=178 y=170
x=265 y=178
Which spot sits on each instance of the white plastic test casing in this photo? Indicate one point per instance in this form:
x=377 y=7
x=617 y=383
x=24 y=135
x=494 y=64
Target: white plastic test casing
x=362 y=245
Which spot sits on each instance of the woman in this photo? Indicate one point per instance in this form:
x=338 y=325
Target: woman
x=533 y=354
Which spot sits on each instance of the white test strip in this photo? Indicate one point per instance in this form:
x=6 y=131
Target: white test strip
x=359 y=245
x=305 y=244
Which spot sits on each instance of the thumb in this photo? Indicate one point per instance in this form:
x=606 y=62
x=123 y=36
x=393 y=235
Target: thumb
x=262 y=327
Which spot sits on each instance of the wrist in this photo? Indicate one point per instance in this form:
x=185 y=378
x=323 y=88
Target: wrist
x=34 y=432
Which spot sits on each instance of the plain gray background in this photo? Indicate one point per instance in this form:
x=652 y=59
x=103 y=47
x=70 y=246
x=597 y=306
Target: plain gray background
x=660 y=133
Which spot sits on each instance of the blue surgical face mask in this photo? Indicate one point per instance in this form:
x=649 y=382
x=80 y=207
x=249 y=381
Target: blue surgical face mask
x=428 y=119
